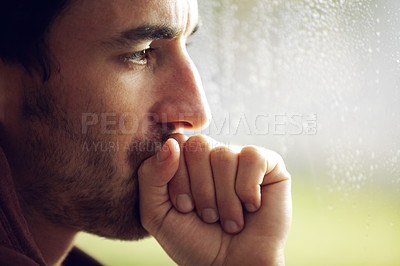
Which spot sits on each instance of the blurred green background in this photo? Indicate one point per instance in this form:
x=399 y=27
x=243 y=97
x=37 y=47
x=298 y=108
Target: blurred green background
x=336 y=60
x=327 y=230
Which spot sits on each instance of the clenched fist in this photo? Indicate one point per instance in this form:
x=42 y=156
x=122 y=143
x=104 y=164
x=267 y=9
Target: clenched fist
x=208 y=204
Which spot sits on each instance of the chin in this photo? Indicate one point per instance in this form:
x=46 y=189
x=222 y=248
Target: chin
x=130 y=234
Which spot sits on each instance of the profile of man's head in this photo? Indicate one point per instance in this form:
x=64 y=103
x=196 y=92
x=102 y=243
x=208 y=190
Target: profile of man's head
x=82 y=79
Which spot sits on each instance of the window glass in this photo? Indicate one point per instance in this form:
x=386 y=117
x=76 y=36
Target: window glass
x=318 y=81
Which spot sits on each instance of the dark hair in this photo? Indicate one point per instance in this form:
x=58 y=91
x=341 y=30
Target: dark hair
x=24 y=26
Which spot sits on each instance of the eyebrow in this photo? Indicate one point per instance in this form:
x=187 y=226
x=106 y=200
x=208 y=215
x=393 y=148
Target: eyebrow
x=133 y=36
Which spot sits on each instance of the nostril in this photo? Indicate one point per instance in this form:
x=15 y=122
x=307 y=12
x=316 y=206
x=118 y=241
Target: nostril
x=175 y=127
x=183 y=125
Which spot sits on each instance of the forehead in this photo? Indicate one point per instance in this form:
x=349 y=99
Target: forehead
x=102 y=17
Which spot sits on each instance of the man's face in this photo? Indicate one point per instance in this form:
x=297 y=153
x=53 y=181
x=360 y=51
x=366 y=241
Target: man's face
x=125 y=83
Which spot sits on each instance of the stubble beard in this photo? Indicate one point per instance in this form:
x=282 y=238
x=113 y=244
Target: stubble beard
x=77 y=188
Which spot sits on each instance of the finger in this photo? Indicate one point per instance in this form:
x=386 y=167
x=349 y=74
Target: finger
x=276 y=202
x=275 y=215
x=224 y=167
x=197 y=156
x=251 y=171
x=276 y=169
x=154 y=175
x=179 y=186
x=273 y=219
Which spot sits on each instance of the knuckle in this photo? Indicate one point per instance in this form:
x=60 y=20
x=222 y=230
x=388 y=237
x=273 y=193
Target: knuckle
x=222 y=155
x=287 y=175
x=250 y=150
x=196 y=144
x=280 y=165
x=252 y=154
x=278 y=158
x=280 y=169
x=274 y=160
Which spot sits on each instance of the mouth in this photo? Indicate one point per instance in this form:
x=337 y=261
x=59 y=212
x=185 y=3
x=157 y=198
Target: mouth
x=168 y=130
x=162 y=133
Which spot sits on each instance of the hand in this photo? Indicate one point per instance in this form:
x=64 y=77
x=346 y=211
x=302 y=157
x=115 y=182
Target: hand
x=216 y=183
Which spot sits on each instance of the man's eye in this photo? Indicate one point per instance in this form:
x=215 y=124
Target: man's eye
x=139 y=57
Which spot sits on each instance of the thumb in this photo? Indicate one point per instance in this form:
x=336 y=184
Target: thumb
x=154 y=175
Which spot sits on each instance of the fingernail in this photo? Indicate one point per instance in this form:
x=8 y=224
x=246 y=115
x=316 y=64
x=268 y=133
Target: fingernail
x=184 y=203
x=209 y=215
x=250 y=207
x=164 y=153
x=231 y=227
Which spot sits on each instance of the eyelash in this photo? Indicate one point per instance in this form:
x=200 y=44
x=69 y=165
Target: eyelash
x=139 y=57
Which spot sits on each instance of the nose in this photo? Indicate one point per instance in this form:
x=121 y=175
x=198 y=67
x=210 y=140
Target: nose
x=182 y=102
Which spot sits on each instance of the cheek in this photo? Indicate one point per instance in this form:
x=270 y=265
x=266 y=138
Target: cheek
x=107 y=101
x=104 y=91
